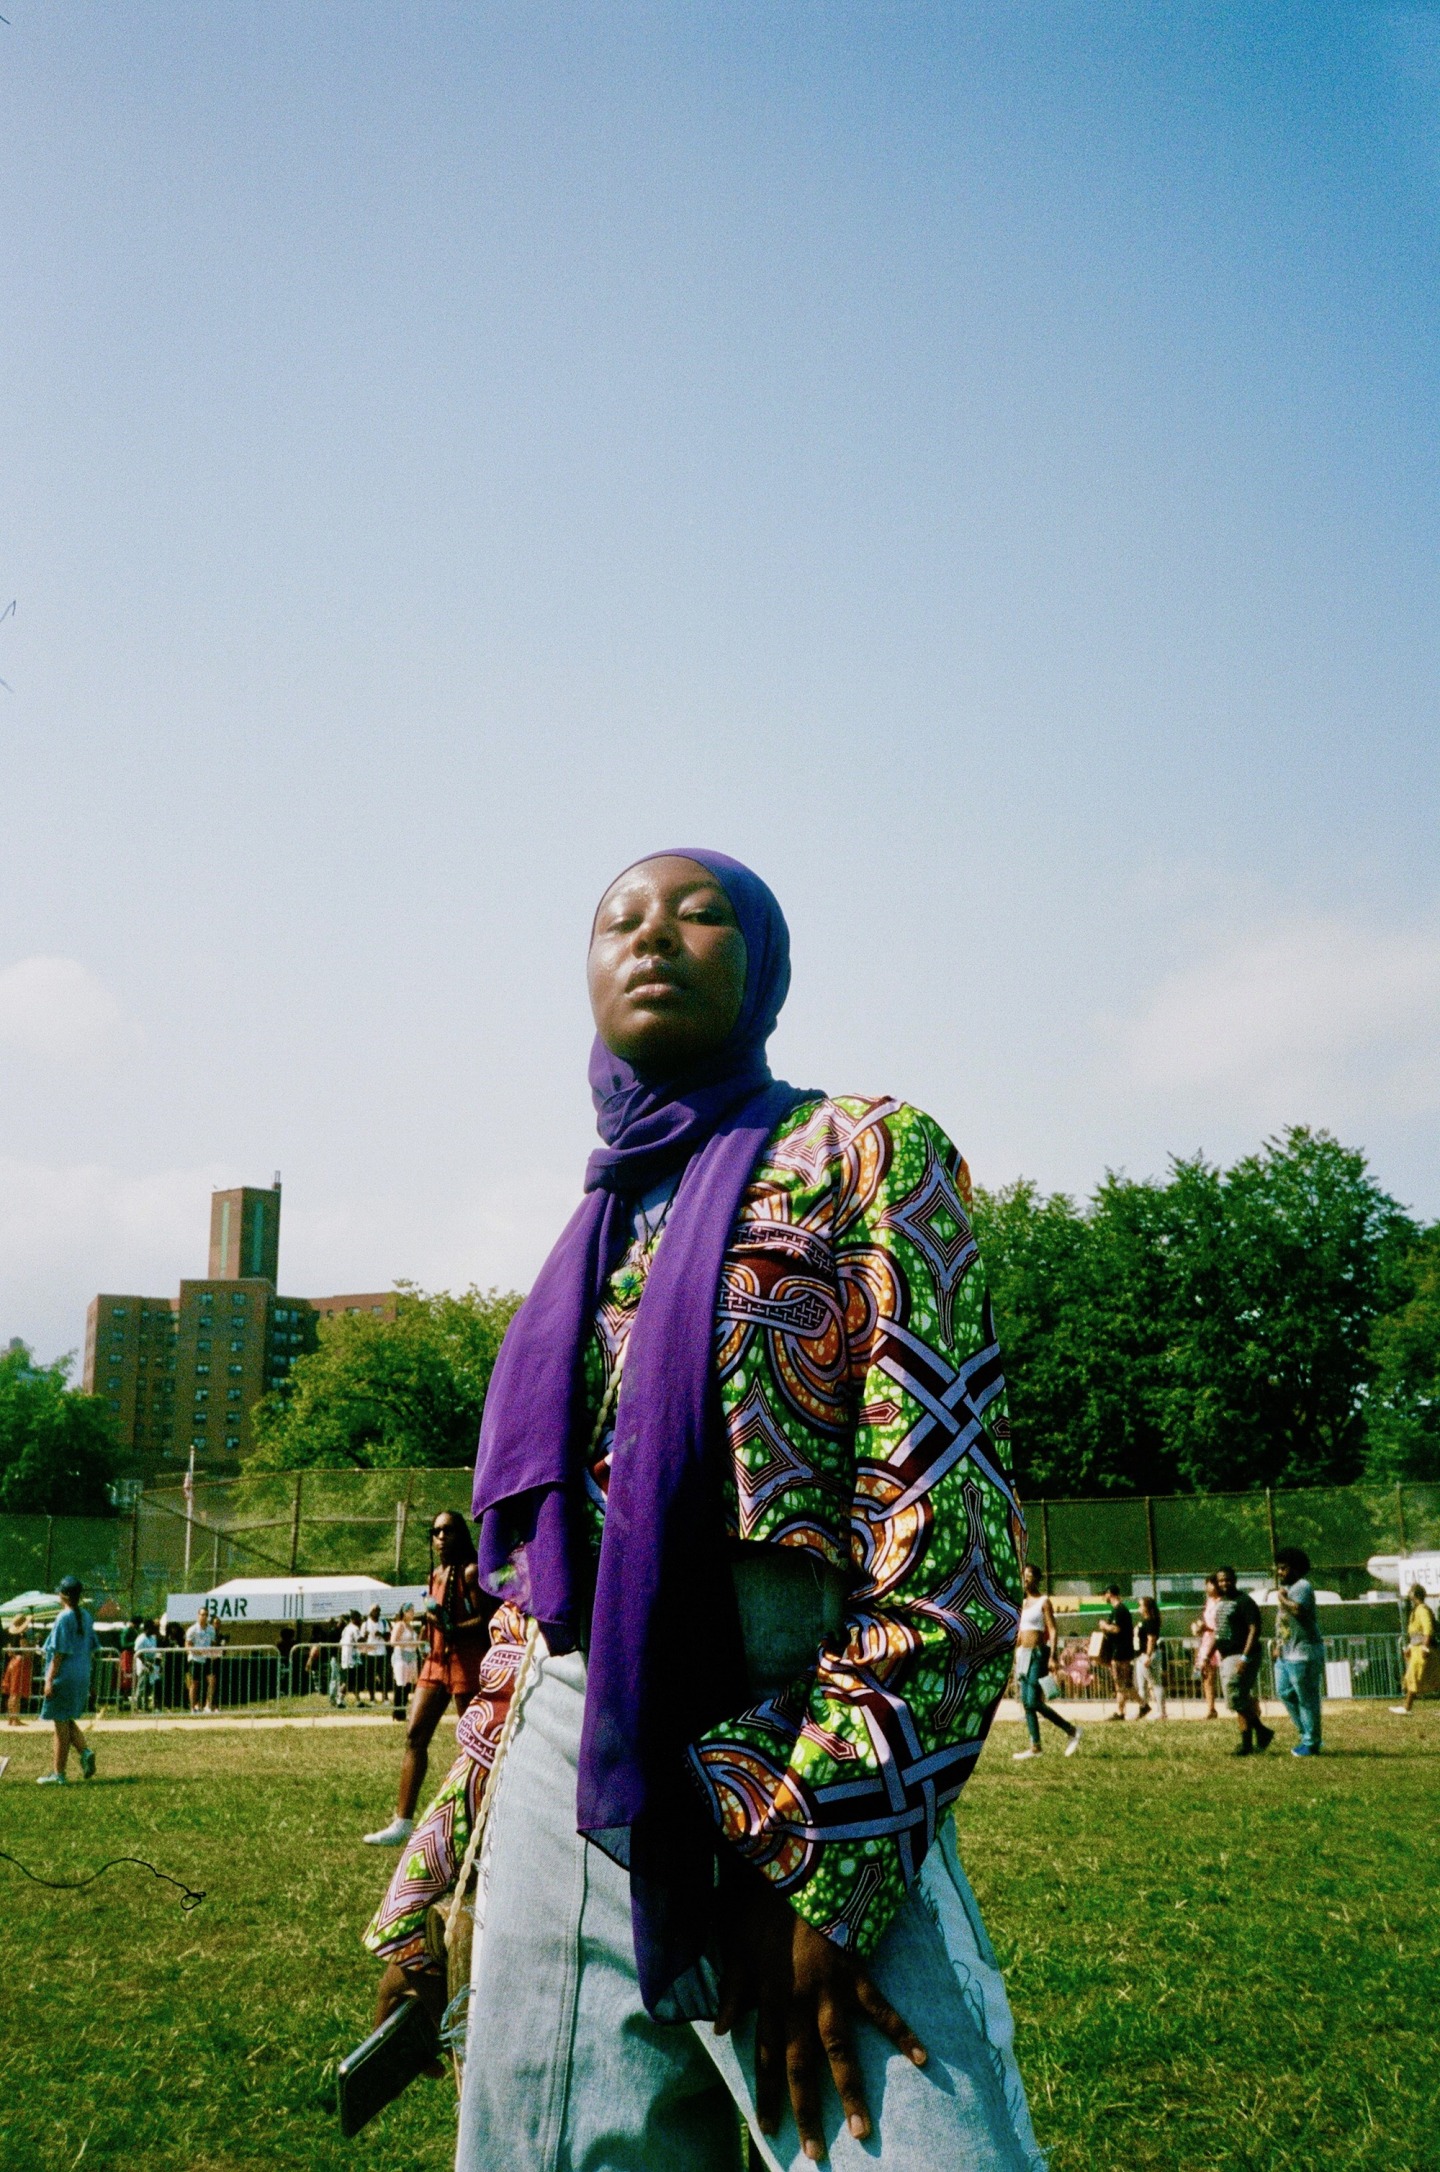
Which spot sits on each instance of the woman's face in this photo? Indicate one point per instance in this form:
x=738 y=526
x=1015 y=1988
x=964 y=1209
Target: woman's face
x=666 y=968
x=445 y=1532
x=1032 y=1579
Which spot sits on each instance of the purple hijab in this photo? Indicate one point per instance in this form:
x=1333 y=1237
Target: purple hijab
x=664 y=1654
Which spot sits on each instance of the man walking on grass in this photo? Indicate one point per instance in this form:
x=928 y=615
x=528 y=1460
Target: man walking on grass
x=1237 y=1643
x=1299 y=1648
x=1118 y=1630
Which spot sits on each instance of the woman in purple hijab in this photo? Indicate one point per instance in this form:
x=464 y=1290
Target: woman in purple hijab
x=743 y=1491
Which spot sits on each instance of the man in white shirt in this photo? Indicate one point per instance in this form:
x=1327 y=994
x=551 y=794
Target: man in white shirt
x=374 y=1631
x=201 y=1640
x=147 y=1668
x=350 y=1659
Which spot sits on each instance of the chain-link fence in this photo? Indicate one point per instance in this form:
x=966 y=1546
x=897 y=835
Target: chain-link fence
x=1180 y=1537
x=292 y=1523
x=377 y=1523
x=36 y=1551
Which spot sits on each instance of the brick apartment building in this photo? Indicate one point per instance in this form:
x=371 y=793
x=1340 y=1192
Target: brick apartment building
x=187 y=1371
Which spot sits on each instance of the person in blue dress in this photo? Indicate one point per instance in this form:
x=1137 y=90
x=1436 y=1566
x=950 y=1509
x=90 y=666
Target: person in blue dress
x=69 y=1654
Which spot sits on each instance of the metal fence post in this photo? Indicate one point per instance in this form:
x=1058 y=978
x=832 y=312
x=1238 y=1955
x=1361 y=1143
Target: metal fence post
x=1400 y=1515
x=133 y=1608
x=1045 y=1544
x=1150 y=1549
x=295 y=1524
x=402 y=1522
x=1270 y=1521
x=49 y=1544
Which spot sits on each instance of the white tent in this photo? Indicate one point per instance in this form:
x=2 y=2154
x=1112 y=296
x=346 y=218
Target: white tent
x=1407 y=1570
x=292 y=1598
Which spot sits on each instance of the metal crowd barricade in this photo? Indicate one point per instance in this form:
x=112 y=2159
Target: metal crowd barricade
x=225 y=1678
x=1360 y=1666
x=232 y=1677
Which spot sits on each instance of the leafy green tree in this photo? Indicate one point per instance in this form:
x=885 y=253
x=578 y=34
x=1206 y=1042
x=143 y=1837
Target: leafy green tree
x=58 y=1454
x=1403 y=1414
x=1212 y=1331
x=389 y=1394
x=1279 y=1295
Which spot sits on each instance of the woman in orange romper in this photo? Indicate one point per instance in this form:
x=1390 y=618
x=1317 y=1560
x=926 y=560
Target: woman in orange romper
x=457 y=1630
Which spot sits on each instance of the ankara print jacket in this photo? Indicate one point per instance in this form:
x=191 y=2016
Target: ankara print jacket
x=863 y=1398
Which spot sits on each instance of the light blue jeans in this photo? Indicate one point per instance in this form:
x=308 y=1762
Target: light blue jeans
x=1300 y=1685
x=566 y=2072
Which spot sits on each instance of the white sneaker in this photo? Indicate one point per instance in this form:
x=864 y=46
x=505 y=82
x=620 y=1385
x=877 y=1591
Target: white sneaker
x=1075 y=1741
x=52 y=1779
x=1401 y=1711
x=393 y=1835
x=1020 y=1756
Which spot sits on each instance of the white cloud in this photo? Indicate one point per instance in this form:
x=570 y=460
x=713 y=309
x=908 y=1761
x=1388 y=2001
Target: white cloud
x=1317 y=1015
x=55 y=1008
x=66 y=1233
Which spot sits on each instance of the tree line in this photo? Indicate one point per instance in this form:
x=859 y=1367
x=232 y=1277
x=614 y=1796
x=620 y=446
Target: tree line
x=1276 y=1323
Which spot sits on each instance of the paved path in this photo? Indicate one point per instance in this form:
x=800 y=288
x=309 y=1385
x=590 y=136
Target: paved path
x=171 y=1722
x=1087 y=1713
x=1081 y=1712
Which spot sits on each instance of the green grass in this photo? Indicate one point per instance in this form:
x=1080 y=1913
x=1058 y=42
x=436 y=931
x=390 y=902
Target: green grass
x=1215 y=1967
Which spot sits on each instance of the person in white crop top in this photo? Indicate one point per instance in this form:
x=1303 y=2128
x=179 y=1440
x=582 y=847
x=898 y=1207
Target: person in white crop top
x=1034 y=1642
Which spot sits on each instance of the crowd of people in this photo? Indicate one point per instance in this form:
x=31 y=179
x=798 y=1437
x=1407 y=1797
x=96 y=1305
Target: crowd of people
x=374 y=1660
x=1129 y=1650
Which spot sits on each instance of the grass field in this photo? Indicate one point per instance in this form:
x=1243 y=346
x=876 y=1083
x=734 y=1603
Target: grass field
x=1215 y=1967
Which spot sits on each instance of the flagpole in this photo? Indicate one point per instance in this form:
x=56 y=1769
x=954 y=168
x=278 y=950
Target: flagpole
x=189 y=1511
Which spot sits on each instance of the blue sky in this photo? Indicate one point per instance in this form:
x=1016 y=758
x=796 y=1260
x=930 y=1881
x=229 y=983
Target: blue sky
x=976 y=462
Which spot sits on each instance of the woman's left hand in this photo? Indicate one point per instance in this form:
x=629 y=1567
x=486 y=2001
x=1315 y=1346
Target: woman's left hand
x=808 y=1993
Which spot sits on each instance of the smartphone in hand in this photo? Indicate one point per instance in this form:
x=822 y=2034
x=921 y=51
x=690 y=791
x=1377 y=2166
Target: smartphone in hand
x=375 y=2073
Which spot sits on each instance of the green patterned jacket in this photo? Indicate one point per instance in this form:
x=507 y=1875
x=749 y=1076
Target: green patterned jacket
x=863 y=1400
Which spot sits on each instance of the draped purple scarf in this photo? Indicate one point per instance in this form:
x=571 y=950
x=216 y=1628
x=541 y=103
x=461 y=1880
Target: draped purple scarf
x=664 y=1654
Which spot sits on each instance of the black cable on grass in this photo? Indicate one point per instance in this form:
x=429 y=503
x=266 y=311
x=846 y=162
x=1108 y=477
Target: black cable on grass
x=191 y=1899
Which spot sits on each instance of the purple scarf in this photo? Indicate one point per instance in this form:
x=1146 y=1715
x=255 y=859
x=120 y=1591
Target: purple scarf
x=664 y=1658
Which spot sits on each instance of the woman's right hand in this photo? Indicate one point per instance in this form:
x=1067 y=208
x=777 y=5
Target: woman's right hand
x=425 y=1984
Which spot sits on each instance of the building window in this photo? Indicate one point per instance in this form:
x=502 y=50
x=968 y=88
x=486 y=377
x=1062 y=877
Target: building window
x=237 y=1369
x=202 y=1368
x=232 y=1395
x=202 y=1395
x=118 y=1312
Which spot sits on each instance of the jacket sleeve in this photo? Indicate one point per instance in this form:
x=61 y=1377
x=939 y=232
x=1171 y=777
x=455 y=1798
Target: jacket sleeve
x=834 y=1788
x=430 y=1863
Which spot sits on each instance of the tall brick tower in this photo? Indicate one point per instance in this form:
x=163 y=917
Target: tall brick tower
x=245 y=1234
